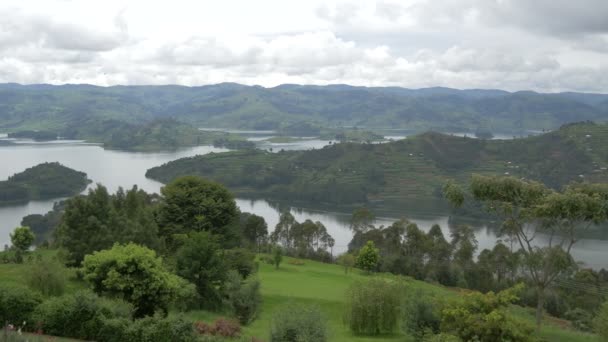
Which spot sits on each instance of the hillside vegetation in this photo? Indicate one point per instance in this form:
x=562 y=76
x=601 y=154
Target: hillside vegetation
x=70 y=107
x=311 y=283
x=43 y=181
x=413 y=169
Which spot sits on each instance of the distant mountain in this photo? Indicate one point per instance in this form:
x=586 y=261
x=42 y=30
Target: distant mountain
x=412 y=170
x=231 y=105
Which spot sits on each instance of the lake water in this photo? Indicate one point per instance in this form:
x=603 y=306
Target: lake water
x=118 y=168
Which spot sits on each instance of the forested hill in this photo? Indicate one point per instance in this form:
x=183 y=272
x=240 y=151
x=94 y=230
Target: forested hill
x=58 y=108
x=43 y=181
x=410 y=170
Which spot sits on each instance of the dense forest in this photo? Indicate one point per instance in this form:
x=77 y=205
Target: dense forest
x=412 y=169
x=228 y=105
x=43 y=181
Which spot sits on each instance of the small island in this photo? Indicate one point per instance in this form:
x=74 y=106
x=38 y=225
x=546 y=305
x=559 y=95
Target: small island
x=43 y=181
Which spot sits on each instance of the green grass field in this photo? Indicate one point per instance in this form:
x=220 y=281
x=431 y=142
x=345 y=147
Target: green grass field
x=323 y=285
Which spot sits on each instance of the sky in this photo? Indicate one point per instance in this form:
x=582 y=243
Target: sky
x=541 y=45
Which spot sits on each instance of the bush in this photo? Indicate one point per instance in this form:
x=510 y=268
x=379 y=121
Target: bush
x=297 y=323
x=241 y=260
x=80 y=315
x=421 y=315
x=186 y=297
x=581 y=319
x=485 y=317
x=156 y=328
x=243 y=298
x=373 y=306
x=368 y=257
x=441 y=338
x=17 y=305
x=600 y=323
x=221 y=327
x=47 y=276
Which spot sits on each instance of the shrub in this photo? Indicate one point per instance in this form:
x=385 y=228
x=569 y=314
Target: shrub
x=421 y=315
x=369 y=257
x=441 y=338
x=484 y=317
x=581 y=319
x=80 y=315
x=47 y=276
x=186 y=297
x=600 y=323
x=156 y=328
x=297 y=323
x=347 y=260
x=17 y=305
x=241 y=260
x=243 y=298
x=373 y=306
x=221 y=327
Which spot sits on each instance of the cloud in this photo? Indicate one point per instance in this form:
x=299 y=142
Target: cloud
x=20 y=28
x=510 y=44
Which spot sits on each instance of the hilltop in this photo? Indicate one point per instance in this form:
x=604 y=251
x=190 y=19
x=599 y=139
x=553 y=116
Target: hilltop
x=412 y=170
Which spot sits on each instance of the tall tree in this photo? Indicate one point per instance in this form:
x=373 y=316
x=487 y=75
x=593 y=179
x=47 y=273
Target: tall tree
x=199 y=260
x=192 y=203
x=362 y=220
x=528 y=208
x=255 y=230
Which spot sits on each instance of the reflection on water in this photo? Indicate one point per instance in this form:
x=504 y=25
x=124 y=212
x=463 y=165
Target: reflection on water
x=117 y=168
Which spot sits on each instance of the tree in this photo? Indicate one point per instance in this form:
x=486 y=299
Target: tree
x=527 y=208
x=22 y=238
x=192 y=203
x=439 y=256
x=282 y=233
x=277 y=256
x=362 y=220
x=98 y=220
x=415 y=246
x=347 y=260
x=368 y=257
x=255 y=230
x=485 y=318
x=199 y=260
x=133 y=273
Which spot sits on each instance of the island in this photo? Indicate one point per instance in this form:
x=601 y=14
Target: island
x=43 y=181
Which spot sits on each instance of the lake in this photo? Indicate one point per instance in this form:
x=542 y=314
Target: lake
x=118 y=168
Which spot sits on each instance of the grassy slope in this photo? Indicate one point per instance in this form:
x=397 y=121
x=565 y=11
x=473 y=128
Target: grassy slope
x=324 y=285
x=318 y=284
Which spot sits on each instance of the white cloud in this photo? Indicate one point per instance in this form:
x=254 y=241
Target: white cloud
x=509 y=44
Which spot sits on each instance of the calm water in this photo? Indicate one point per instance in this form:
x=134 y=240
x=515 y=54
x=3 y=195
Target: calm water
x=117 y=168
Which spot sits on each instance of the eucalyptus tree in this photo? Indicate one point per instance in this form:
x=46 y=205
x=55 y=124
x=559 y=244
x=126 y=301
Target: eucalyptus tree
x=527 y=209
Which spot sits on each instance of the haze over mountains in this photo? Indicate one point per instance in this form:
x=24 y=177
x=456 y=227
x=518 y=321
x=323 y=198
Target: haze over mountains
x=231 y=105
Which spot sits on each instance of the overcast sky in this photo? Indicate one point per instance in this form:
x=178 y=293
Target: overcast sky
x=543 y=45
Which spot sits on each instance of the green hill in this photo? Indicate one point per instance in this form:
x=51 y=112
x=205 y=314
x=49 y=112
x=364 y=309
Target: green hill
x=228 y=105
x=43 y=181
x=412 y=170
